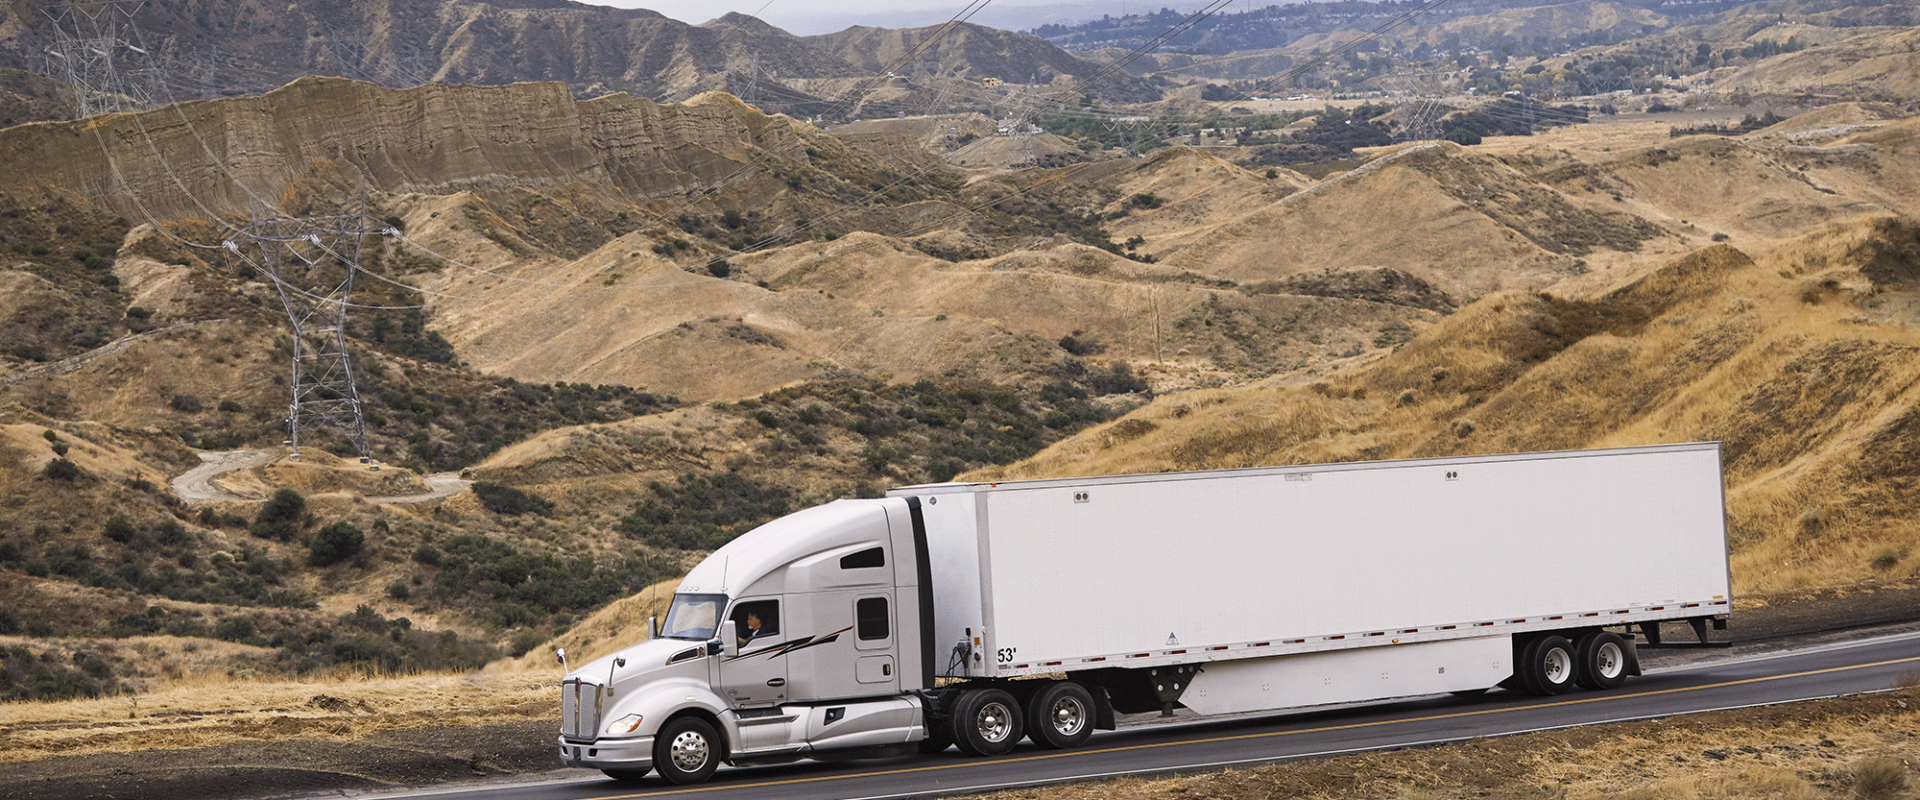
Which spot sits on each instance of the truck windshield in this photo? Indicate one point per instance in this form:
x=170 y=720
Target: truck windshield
x=693 y=616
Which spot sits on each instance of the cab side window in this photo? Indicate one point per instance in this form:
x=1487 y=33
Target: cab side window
x=756 y=620
x=870 y=618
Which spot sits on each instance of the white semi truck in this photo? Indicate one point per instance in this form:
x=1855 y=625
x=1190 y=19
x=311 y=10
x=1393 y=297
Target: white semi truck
x=974 y=614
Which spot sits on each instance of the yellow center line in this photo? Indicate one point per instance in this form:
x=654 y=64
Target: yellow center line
x=1248 y=736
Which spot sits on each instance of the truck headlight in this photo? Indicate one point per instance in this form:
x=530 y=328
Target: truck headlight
x=624 y=725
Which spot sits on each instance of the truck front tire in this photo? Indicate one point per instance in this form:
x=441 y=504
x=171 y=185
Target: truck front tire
x=986 y=722
x=1060 y=716
x=687 y=750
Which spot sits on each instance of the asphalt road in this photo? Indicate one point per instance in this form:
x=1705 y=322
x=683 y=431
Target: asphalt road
x=1826 y=671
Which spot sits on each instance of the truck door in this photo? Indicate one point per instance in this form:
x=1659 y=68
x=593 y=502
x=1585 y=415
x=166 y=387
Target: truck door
x=876 y=669
x=757 y=676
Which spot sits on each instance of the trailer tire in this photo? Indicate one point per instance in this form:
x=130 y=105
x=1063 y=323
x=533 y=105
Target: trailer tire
x=1602 y=659
x=1548 y=666
x=986 y=722
x=687 y=750
x=1060 y=716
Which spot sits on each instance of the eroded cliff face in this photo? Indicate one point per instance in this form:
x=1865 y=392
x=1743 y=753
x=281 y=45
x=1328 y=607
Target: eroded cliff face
x=227 y=156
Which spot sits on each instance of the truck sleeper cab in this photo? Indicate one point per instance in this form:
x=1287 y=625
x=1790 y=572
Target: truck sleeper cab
x=946 y=615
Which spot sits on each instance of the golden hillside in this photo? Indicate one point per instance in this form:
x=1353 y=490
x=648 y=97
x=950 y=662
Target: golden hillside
x=1876 y=64
x=1802 y=359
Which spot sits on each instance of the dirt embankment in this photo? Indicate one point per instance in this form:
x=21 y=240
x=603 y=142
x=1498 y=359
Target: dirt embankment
x=333 y=742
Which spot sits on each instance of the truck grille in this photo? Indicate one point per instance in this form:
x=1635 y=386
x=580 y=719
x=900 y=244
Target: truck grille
x=579 y=710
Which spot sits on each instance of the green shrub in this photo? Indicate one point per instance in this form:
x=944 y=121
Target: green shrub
x=118 y=529
x=280 y=518
x=334 y=543
x=502 y=499
x=525 y=641
x=61 y=469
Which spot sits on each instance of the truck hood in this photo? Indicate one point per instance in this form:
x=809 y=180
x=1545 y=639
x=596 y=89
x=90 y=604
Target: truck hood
x=642 y=657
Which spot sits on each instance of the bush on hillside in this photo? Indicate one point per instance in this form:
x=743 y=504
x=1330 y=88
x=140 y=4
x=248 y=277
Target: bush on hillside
x=503 y=499
x=334 y=543
x=280 y=518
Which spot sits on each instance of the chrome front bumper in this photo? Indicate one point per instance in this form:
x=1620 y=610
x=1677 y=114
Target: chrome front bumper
x=635 y=753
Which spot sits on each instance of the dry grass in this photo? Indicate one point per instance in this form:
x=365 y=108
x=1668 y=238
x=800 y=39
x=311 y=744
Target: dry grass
x=213 y=710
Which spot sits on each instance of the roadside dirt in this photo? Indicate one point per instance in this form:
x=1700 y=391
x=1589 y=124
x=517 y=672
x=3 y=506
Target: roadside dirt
x=427 y=756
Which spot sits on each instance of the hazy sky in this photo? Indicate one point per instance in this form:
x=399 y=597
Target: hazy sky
x=806 y=17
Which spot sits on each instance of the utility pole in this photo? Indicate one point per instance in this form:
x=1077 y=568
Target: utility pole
x=312 y=262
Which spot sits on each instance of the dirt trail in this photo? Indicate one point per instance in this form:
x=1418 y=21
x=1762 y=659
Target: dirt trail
x=197 y=486
x=442 y=484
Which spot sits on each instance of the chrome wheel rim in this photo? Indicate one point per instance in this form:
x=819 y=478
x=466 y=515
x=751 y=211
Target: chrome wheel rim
x=689 y=751
x=994 y=722
x=1068 y=716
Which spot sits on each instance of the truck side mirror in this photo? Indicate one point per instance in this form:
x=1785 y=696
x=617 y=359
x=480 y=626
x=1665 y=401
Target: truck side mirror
x=729 y=641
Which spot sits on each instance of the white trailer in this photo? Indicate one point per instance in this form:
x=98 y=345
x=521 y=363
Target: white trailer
x=975 y=613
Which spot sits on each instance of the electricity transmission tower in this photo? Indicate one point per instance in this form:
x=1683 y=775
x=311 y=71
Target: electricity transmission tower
x=1424 y=108
x=312 y=261
x=86 y=58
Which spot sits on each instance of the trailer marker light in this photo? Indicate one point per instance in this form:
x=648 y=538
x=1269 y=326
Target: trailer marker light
x=1555 y=617
x=1101 y=658
x=1139 y=655
x=1259 y=644
x=1448 y=627
x=1221 y=647
x=1515 y=621
x=1019 y=666
x=1411 y=630
x=1628 y=611
x=1658 y=608
x=1336 y=638
x=1298 y=641
x=1377 y=633
x=1175 y=652
x=1482 y=624
x=1591 y=614
x=1053 y=663
x=1691 y=605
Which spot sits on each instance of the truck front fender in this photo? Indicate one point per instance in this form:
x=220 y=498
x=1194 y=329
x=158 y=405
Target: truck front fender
x=658 y=701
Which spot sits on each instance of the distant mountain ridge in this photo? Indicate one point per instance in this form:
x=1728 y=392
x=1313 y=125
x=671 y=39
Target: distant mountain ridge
x=215 y=48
